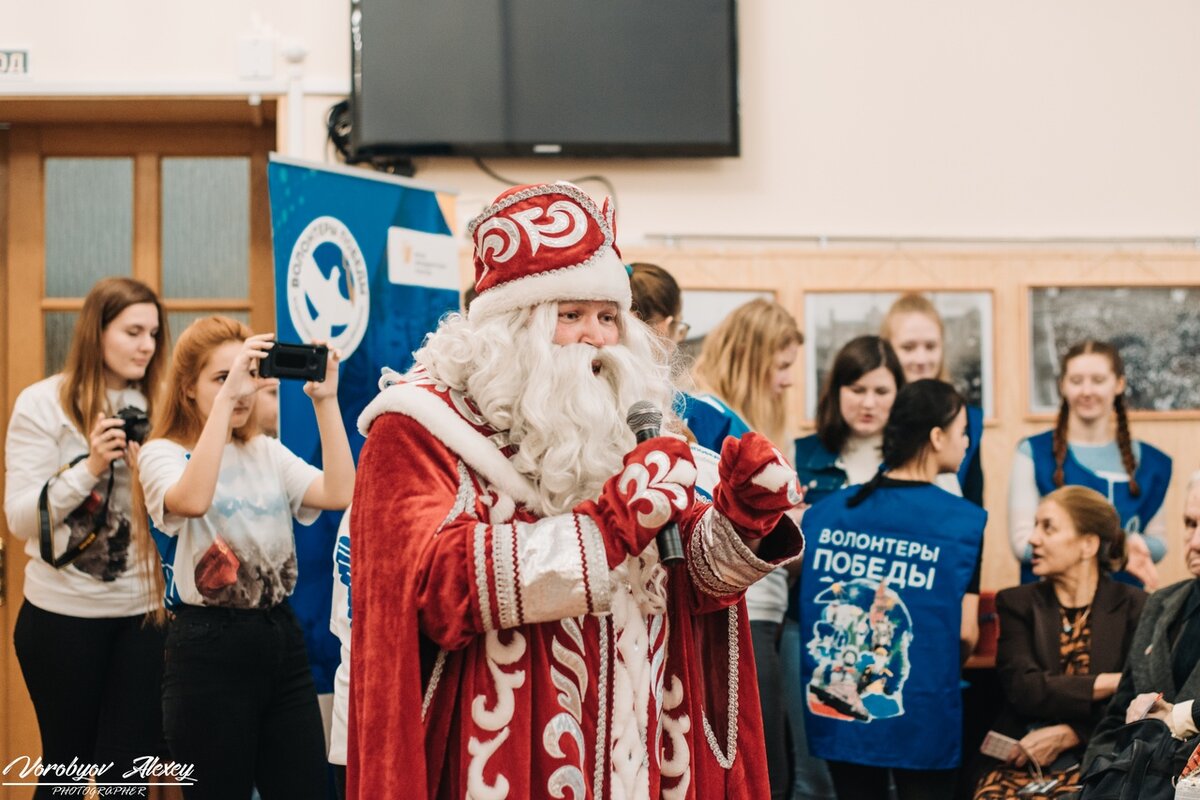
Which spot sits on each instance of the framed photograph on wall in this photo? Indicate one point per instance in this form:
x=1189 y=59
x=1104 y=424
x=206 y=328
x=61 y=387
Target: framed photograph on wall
x=1155 y=328
x=833 y=318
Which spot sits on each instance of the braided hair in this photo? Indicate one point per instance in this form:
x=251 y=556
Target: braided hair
x=1124 y=440
x=920 y=407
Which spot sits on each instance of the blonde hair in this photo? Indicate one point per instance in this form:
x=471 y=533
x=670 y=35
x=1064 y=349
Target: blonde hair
x=915 y=303
x=82 y=395
x=737 y=358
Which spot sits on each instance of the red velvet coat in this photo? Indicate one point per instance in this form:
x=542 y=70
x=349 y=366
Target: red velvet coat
x=495 y=655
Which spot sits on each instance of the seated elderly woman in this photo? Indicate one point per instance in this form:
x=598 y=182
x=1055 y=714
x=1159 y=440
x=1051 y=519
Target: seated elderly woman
x=1162 y=676
x=1062 y=643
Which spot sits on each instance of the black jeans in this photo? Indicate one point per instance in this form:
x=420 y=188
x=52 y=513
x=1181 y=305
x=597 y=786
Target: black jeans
x=239 y=703
x=859 y=782
x=95 y=686
x=765 y=638
x=339 y=780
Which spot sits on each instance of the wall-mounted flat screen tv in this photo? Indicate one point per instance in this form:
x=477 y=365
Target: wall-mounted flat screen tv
x=579 y=78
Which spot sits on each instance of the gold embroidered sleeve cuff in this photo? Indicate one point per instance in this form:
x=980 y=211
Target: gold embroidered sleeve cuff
x=719 y=561
x=538 y=572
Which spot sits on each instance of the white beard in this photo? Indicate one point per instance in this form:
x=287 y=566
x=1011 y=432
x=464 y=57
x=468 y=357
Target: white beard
x=567 y=421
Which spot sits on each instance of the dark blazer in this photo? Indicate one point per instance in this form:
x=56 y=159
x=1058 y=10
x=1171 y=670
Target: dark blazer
x=1149 y=666
x=1029 y=664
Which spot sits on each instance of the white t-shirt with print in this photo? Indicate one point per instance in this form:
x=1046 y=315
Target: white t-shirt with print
x=241 y=553
x=110 y=578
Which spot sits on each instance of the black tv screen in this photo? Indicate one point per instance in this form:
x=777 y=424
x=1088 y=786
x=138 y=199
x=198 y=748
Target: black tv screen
x=544 y=77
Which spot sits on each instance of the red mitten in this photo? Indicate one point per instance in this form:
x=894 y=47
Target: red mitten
x=757 y=485
x=656 y=486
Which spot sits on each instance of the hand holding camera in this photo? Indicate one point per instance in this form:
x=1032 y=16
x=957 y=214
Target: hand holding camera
x=106 y=443
x=242 y=380
x=135 y=423
x=324 y=385
x=112 y=435
x=315 y=363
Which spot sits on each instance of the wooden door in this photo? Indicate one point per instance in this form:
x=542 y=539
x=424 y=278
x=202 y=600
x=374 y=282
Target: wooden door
x=181 y=206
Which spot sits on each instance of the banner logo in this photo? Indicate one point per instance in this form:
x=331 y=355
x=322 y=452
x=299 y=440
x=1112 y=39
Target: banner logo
x=328 y=294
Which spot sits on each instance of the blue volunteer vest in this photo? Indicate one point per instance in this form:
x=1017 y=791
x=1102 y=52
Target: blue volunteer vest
x=880 y=617
x=709 y=420
x=1153 y=474
x=817 y=469
x=975 y=435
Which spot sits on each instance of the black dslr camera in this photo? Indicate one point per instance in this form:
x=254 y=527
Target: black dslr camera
x=135 y=423
x=300 y=362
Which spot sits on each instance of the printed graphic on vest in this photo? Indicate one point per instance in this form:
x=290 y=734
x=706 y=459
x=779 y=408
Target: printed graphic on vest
x=860 y=645
x=328 y=289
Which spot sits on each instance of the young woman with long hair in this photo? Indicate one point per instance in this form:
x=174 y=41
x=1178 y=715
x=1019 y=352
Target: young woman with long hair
x=92 y=666
x=658 y=302
x=853 y=409
x=916 y=331
x=745 y=366
x=846 y=449
x=888 y=606
x=238 y=697
x=1091 y=445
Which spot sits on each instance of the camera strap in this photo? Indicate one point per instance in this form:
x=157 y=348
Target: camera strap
x=99 y=518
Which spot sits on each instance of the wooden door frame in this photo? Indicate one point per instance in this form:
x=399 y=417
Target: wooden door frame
x=69 y=128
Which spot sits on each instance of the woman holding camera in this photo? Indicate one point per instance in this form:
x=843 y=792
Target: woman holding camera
x=93 y=669
x=238 y=697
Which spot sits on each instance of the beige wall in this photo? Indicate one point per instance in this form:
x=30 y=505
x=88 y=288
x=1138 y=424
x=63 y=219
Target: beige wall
x=142 y=42
x=1024 y=118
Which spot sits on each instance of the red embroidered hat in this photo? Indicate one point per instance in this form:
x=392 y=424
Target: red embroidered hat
x=545 y=243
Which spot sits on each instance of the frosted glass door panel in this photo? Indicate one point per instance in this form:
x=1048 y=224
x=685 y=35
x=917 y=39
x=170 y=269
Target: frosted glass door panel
x=205 y=227
x=59 y=328
x=89 y=222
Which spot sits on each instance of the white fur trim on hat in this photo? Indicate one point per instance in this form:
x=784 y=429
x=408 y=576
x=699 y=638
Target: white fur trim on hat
x=601 y=277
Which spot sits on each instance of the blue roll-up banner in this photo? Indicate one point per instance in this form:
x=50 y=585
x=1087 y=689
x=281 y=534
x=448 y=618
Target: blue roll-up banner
x=367 y=263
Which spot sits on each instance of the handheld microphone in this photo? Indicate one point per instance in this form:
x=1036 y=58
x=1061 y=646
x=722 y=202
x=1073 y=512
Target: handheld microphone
x=645 y=420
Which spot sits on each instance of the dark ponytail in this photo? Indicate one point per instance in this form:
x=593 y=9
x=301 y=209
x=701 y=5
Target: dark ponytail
x=920 y=407
x=867 y=489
